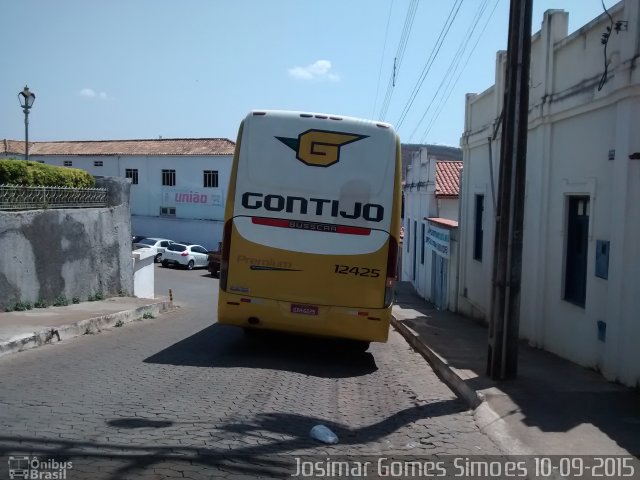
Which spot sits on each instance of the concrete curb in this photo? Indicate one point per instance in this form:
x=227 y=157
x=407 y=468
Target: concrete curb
x=439 y=365
x=489 y=422
x=76 y=329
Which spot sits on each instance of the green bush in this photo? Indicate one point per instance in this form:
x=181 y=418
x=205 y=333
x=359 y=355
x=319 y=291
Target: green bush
x=22 y=306
x=96 y=297
x=27 y=173
x=60 y=301
x=41 y=304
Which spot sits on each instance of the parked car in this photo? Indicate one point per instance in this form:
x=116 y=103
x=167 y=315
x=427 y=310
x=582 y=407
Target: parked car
x=189 y=256
x=158 y=244
x=137 y=238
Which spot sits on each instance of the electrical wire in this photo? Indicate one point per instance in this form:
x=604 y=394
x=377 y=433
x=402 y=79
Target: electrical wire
x=605 y=42
x=444 y=99
x=429 y=63
x=402 y=45
x=384 y=50
x=454 y=62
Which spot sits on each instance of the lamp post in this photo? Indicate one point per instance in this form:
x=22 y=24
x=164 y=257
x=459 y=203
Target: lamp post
x=26 y=99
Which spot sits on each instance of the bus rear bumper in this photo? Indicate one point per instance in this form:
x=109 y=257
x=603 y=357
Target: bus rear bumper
x=368 y=324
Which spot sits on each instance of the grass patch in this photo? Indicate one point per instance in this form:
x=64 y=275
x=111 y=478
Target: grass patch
x=148 y=315
x=119 y=323
x=41 y=304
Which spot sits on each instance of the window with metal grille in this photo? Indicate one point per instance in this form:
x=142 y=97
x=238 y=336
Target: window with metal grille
x=167 y=211
x=575 y=276
x=422 y=245
x=97 y=163
x=169 y=178
x=478 y=232
x=210 y=179
x=67 y=163
x=132 y=173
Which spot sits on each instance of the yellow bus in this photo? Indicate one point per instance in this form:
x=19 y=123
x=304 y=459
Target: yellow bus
x=311 y=227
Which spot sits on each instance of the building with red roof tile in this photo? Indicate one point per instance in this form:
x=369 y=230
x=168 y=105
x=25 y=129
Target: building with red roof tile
x=178 y=185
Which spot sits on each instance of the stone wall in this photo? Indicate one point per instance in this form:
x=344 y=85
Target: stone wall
x=48 y=254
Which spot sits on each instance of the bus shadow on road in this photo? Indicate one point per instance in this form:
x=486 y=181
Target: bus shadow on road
x=220 y=346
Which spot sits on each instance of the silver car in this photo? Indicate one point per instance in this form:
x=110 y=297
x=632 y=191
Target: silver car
x=158 y=244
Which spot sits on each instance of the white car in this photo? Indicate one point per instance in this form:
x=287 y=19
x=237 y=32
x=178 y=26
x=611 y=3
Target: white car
x=189 y=256
x=158 y=244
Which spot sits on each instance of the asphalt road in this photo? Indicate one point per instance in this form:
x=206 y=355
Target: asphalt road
x=179 y=396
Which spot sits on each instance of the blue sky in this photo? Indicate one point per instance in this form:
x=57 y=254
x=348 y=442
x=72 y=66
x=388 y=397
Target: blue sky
x=124 y=69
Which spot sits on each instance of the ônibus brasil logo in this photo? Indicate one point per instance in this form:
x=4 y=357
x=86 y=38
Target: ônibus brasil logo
x=33 y=468
x=320 y=148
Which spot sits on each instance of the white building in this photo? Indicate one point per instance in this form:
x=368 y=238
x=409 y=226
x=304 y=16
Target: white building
x=580 y=295
x=429 y=249
x=178 y=186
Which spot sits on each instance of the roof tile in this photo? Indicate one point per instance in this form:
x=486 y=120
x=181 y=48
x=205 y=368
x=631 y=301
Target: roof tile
x=448 y=178
x=168 y=146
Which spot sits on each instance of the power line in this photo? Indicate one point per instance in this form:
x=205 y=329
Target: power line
x=406 y=30
x=444 y=100
x=402 y=45
x=454 y=62
x=432 y=56
x=384 y=49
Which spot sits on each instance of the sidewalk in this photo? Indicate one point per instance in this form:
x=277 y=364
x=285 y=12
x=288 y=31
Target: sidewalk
x=553 y=407
x=36 y=327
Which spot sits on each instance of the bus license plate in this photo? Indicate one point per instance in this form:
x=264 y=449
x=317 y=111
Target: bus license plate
x=304 y=309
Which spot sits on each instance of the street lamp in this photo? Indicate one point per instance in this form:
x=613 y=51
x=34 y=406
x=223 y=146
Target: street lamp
x=26 y=99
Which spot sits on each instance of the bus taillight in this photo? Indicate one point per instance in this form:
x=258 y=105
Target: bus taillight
x=224 y=260
x=392 y=267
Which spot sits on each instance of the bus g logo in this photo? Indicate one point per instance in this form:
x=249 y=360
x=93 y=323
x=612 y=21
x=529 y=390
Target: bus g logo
x=320 y=148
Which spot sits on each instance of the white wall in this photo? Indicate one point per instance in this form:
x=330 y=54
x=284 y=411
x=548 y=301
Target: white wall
x=448 y=208
x=421 y=203
x=202 y=232
x=573 y=127
x=149 y=194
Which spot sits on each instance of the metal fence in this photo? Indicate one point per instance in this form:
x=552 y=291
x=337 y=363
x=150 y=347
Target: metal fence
x=15 y=197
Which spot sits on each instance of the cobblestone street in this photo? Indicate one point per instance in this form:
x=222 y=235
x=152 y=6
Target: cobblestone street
x=179 y=396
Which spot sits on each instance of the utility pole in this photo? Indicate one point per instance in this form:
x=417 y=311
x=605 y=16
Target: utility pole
x=502 y=361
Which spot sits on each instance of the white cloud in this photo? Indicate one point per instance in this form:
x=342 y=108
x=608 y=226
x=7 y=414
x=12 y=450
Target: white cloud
x=319 y=70
x=91 y=93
